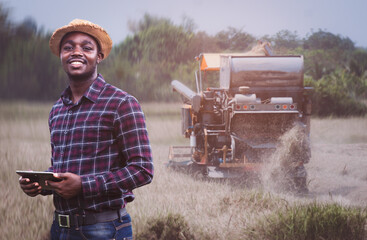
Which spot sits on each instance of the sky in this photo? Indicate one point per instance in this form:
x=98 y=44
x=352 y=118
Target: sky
x=257 y=17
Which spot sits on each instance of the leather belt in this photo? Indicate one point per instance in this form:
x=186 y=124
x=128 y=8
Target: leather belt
x=75 y=220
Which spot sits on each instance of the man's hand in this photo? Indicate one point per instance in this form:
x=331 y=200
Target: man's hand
x=69 y=187
x=32 y=189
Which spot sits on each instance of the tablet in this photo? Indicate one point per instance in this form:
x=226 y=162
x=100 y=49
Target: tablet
x=40 y=177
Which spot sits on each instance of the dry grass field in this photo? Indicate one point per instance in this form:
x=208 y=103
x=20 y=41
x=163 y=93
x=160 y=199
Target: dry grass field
x=213 y=210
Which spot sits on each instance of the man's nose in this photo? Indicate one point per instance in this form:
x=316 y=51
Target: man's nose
x=77 y=51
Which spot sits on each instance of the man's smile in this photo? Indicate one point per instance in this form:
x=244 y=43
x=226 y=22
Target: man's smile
x=76 y=62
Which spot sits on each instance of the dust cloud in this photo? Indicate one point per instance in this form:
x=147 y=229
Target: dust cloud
x=286 y=162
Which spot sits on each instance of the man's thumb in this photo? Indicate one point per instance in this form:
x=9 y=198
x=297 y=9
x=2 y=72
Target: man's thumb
x=59 y=175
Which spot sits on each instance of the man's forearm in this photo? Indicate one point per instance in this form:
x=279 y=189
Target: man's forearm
x=137 y=173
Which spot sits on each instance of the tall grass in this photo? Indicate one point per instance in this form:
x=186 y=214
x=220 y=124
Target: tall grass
x=196 y=209
x=312 y=221
x=24 y=138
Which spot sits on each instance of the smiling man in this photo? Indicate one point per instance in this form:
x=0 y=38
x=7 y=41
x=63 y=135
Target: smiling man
x=99 y=142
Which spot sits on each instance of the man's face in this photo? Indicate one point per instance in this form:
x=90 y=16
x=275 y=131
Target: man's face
x=79 y=55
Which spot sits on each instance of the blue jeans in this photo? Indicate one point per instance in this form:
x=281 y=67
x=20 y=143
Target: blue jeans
x=108 y=230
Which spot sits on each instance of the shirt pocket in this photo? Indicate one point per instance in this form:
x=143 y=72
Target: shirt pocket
x=97 y=134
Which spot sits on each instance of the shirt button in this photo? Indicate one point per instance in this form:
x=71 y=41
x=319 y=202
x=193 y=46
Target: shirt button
x=70 y=112
x=65 y=131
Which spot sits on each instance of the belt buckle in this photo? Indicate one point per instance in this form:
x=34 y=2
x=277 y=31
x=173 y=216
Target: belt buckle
x=64 y=220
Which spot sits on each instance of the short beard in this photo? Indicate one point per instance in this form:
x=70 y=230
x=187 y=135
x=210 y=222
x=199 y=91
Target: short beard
x=85 y=76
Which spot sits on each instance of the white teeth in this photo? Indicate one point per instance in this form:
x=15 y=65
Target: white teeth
x=76 y=63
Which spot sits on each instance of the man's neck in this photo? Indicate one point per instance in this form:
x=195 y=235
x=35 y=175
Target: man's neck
x=79 y=87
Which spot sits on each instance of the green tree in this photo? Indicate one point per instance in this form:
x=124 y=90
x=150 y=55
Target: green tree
x=326 y=40
x=286 y=39
x=358 y=62
x=320 y=62
x=234 y=39
x=159 y=51
x=337 y=94
x=152 y=54
x=5 y=30
x=28 y=70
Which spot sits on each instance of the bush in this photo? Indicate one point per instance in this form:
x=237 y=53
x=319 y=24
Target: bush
x=313 y=221
x=173 y=226
x=338 y=94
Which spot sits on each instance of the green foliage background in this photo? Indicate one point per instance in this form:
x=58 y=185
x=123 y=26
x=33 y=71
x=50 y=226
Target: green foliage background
x=159 y=51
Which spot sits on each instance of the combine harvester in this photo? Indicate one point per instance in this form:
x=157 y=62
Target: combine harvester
x=233 y=128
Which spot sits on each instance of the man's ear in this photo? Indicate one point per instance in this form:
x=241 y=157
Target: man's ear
x=100 y=57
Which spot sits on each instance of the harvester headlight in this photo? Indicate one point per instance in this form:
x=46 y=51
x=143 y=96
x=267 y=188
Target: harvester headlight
x=285 y=107
x=292 y=107
x=252 y=107
x=238 y=107
x=245 y=107
x=277 y=107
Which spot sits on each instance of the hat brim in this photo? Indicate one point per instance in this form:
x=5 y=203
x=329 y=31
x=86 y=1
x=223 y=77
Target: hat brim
x=100 y=35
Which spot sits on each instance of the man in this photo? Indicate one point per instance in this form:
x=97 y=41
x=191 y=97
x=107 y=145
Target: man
x=100 y=146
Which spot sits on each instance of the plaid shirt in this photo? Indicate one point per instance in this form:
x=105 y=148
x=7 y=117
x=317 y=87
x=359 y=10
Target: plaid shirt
x=103 y=139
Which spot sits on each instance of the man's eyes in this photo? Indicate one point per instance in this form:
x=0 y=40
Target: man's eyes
x=85 y=48
x=67 y=48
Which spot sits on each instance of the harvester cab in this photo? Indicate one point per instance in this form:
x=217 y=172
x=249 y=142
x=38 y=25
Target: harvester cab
x=234 y=127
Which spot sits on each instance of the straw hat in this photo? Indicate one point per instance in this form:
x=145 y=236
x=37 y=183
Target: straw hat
x=84 y=26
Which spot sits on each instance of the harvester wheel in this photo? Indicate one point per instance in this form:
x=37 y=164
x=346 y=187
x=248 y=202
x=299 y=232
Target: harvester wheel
x=200 y=173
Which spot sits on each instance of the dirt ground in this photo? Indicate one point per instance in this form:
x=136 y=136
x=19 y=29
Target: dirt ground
x=339 y=172
x=338 y=167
